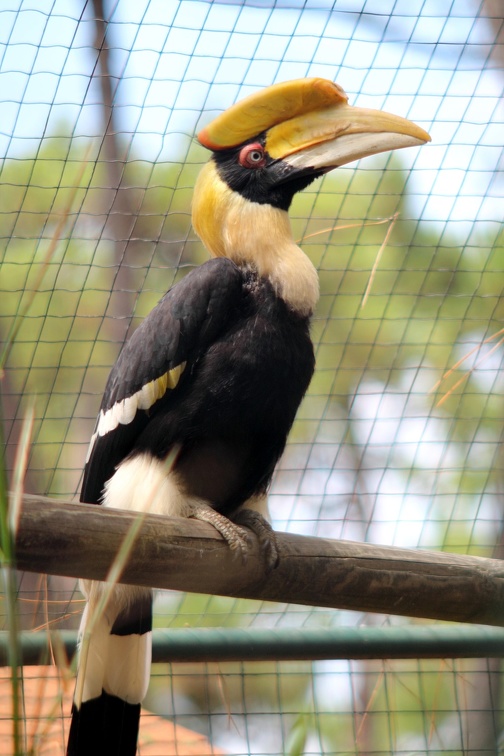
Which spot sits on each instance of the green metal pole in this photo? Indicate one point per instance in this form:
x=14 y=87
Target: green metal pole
x=291 y=644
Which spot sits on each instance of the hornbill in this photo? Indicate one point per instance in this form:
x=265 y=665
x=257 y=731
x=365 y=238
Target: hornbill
x=197 y=408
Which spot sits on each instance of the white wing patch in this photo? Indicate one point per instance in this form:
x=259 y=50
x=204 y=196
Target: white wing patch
x=123 y=412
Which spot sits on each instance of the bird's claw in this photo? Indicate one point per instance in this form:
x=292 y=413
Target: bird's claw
x=254 y=521
x=237 y=538
x=236 y=532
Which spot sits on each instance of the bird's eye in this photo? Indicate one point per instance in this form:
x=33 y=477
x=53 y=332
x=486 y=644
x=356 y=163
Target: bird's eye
x=252 y=156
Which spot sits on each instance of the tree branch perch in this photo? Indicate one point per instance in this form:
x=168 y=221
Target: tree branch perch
x=81 y=540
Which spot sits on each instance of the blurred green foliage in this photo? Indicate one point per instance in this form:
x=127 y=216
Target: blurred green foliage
x=432 y=299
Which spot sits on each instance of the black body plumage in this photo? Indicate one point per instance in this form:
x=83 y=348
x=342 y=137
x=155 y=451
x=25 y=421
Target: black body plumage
x=242 y=360
x=248 y=362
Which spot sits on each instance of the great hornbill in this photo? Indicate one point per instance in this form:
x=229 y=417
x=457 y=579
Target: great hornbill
x=197 y=408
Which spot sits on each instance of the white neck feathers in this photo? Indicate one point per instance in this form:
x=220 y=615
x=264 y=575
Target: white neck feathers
x=254 y=234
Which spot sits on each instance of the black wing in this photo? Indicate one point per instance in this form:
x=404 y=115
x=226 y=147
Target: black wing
x=182 y=326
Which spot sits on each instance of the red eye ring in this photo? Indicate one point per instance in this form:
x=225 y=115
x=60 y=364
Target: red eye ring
x=252 y=156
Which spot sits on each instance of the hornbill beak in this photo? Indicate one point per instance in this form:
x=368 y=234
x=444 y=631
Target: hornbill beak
x=309 y=126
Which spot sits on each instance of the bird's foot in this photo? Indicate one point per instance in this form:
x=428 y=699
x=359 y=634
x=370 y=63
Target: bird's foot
x=236 y=537
x=254 y=521
x=236 y=531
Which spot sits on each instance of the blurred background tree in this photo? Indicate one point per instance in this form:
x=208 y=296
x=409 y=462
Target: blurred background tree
x=373 y=454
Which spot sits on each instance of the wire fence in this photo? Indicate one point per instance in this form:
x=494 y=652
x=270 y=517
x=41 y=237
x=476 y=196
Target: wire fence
x=399 y=440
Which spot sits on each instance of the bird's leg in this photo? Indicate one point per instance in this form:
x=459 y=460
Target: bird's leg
x=235 y=531
x=258 y=524
x=235 y=536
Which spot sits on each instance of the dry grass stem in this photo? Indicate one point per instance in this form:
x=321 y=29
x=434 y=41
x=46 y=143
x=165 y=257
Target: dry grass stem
x=20 y=466
x=58 y=231
x=468 y=372
x=392 y=221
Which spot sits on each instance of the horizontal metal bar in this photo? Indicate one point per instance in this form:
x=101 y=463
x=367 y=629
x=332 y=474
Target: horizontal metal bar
x=290 y=644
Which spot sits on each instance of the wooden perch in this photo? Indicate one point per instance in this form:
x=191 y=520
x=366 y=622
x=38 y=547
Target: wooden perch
x=81 y=540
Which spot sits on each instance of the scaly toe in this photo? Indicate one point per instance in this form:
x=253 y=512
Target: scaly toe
x=236 y=537
x=259 y=525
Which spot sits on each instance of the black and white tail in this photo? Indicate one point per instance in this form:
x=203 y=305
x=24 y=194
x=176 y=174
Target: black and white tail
x=115 y=637
x=113 y=673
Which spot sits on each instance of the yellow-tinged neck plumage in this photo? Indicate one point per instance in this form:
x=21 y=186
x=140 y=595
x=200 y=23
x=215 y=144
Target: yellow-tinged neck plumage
x=253 y=234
